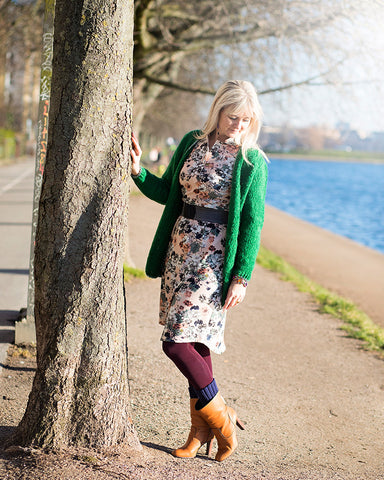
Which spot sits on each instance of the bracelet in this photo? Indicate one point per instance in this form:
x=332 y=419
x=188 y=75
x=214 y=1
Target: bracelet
x=240 y=280
x=135 y=176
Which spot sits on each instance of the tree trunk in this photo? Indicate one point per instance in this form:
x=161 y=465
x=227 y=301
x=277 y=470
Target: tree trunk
x=80 y=394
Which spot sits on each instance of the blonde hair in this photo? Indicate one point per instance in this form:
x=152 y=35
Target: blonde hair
x=238 y=96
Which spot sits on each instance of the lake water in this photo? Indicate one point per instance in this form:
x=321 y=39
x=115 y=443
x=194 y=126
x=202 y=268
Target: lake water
x=345 y=198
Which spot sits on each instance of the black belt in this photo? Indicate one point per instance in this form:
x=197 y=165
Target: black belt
x=204 y=214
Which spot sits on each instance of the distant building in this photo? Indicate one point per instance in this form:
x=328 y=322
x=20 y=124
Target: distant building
x=342 y=137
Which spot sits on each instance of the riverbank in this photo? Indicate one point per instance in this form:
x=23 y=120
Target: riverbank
x=335 y=262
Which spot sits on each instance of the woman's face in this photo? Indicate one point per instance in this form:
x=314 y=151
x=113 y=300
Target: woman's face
x=232 y=125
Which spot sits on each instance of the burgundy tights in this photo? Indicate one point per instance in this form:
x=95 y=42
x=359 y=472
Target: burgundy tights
x=193 y=360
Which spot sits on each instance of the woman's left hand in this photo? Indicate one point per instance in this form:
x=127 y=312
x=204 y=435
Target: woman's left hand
x=236 y=294
x=136 y=153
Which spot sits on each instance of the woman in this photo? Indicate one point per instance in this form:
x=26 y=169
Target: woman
x=205 y=248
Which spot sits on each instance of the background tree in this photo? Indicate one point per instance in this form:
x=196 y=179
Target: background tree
x=278 y=45
x=80 y=393
x=20 y=55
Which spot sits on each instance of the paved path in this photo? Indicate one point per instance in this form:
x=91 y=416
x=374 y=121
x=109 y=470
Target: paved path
x=16 y=193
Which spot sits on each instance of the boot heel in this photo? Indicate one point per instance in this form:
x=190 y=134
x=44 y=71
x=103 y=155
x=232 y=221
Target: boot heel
x=209 y=447
x=199 y=434
x=240 y=424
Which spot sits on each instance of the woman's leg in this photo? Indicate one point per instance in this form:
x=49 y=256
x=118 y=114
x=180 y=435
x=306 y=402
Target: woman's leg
x=209 y=414
x=195 y=367
x=205 y=353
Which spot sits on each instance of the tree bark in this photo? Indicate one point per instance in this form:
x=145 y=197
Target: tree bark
x=80 y=394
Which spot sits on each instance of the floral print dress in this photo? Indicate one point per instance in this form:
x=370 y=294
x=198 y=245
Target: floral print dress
x=190 y=300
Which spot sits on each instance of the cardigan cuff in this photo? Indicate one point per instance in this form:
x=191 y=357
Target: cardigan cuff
x=240 y=280
x=137 y=174
x=243 y=275
x=140 y=176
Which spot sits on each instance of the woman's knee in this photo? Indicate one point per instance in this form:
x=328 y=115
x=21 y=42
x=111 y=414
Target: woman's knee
x=175 y=350
x=202 y=349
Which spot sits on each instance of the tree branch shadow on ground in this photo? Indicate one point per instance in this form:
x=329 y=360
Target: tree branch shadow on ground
x=7 y=325
x=14 y=271
x=8 y=317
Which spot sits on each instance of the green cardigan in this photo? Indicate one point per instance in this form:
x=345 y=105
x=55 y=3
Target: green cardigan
x=245 y=216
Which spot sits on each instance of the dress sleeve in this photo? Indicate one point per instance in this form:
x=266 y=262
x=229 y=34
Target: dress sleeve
x=251 y=223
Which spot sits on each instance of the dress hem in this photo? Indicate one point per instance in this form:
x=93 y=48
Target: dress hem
x=211 y=348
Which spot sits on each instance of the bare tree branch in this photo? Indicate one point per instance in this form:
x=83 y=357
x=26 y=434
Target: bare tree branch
x=208 y=91
x=178 y=86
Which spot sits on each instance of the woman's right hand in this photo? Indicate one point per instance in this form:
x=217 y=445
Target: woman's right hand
x=136 y=153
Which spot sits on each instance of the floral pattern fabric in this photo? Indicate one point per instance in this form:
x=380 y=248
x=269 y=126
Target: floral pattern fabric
x=190 y=299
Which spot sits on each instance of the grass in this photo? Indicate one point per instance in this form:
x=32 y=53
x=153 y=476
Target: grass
x=23 y=351
x=355 y=322
x=130 y=273
x=355 y=154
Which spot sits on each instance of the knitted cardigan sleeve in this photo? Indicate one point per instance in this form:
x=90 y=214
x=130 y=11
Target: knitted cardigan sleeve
x=251 y=222
x=158 y=188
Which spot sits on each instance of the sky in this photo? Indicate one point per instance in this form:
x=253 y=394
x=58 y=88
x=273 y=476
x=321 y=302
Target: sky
x=361 y=107
x=359 y=102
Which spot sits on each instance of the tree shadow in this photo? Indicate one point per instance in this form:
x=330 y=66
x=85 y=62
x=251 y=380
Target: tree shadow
x=17 y=369
x=7 y=325
x=14 y=271
x=6 y=433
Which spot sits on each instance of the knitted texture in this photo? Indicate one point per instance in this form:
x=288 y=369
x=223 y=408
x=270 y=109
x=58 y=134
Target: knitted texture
x=206 y=394
x=192 y=392
x=245 y=216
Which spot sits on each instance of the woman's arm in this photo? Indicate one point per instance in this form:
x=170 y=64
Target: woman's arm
x=236 y=293
x=136 y=153
x=154 y=187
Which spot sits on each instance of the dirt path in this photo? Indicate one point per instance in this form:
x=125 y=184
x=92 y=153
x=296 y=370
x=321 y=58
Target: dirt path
x=311 y=399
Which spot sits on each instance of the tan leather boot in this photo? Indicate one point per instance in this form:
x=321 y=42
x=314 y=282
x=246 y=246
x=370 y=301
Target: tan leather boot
x=222 y=420
x=199 y=435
